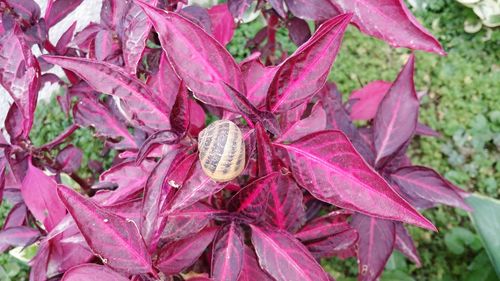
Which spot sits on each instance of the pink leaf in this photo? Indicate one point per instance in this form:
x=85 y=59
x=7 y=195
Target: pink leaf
x=366 y=100
x=257 y=78
x=20 y=75
x=164 y=83
x=177 y=256
x=227 y=259
x=340 y=244
x=59 y=9
x=62 y=43
x=313 y=123
x=251 y=269
x=426 y=184
x=238 y=7
x=312 y=9
x=284 y=257
x=298 y=31
x=404 y=244
x=114 y=239
x=92 y=272
x=251 y=200
x=39 y=194
x=328 y=166
x=112 y=80
x=19 y=236
x=222 y=23
x=376 y=241
x=397 y=115
x=185 y=42
x=69 y=159
x=391 y=21
x=324 y=226
x=305 y=72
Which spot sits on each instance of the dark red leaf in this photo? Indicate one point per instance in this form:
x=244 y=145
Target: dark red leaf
x=180 y=114
x=340 y=244
x=284 y=257
x=19 y=236
x=298 y=31
x=183 y=42
x=27 y=9
x=425 y=130
x=404 y=244
x=59 y=9
x=251 y=269
x=422 y=183
x=62 y=43
x=114 y=239
x=179 y=255
x=366 y=100
x=313 y=123
x=376 y=241
x=238 y=7
x=324 y=226
x=228 y=253
x=312 y=9
x=328 y=166
x=39 y=194
x=14 y=123
x=305 y=72
x=105 y=46
x=178 y=172
x=222 y=23
x=69 y=159
x=110 y=79
x=279 y=7
x=91 y=271
x=391 y=21
x=164 y=83
x=397 y=115
x=257 y=79
x=20 y=74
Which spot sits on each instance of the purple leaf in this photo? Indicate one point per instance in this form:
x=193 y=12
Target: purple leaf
x=106 y=46
x=305 y=72
x=180 y=114
x=251 y=200
x=340 y=244
x=113 y=12
x=62 y=44
x=183 y=42
x=136 y=29
x=199 y=16
x=27 y=9
x=127 y=252
x=312 y=9
x=285 y=209
x=366 y=100
x=391 y=21
x=376 y=241
x=397 y=115
x=422 y=183
x=14 y=123
x=39 y=194
x=222 y=23
x=328 y=166
x=279 y=7
x=20 y=75
x=179 y=171
x=188 y=221
x=59 y=9
x=91 y=272
x=238 y=7
x=313 y=123
x=69 y=159
x=425 y=130
x=19 y=236
x=324 y=226
x=2 y=179
x=154 y=141
x=88 y=112
x=227 y=259
x=404 y=244
x=197 y=187
x=110 y=79
x=284 y=257
x=298 y=31
x=251 y=269
x=165 y=84
x=177 y=256
x=257 y=79
x=156 y=193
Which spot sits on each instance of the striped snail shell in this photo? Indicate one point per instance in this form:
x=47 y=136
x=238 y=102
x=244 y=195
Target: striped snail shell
x=222 y=150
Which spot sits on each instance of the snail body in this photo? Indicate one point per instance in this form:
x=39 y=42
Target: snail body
x=222 y=150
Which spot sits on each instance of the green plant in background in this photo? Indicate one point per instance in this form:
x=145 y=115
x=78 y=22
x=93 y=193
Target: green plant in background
x=488 y=11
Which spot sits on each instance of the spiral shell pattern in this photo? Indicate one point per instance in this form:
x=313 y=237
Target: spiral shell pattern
x=222 y=150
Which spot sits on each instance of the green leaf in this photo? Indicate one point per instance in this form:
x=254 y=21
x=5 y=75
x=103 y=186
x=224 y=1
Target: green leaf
x=486 y=219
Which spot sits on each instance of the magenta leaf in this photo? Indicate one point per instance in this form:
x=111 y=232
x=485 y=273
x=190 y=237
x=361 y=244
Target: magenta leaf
x=88 y=112
x=366 y=100
x=376 y=241
x=425 y=130
x=222 y=23
x=175 y=257
x=179 y=170
x=20 y=75
x=180 y=114
x=228 y=253
x=27 y=9
x=279 y=7
x=59 y=9
x=328 y=166
x=69 y=159
x=112 y=13
x=88 y=271
x=422 y=183
x=404 y=244
x=391 y=21
x=238 y=7
x=39 y=194
x=112 y=80
x=62 y=43
x=105 y=46
x=312 y=9
x=324 y=226
x=284 y=257
x=164 y=84
x=183 y=42
x=114 y=239
x=188 y=221
x=19 y=236
x=313 y=123
x=197 y=187
x=298 y=31
x=340 y=244
x=251 y=269
x=257 y=78
x=305 y=72
x=397 y=115
x=251 y=200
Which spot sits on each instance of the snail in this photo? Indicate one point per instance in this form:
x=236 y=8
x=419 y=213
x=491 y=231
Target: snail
x=222 y=150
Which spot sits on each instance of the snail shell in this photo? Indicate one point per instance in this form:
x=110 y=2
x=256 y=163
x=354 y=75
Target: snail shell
x=222 y=150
